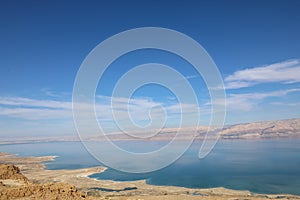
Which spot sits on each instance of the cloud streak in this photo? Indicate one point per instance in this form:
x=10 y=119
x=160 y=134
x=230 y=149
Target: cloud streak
x=247 y=101
x=286 y=72
x=26 y=102
x=138 y=108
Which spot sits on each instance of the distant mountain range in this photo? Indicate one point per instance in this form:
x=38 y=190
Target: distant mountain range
x=256 y=130
x=268 y=129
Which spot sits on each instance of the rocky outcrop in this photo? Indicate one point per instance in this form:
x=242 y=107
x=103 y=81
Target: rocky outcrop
x=1 y=184
x=11 y=172
x=14 y=185
x=42 y=191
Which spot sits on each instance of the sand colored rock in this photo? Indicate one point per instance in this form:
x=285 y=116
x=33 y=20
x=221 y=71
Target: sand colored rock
x=41 y=191
x=15 y=185
x=11 y=172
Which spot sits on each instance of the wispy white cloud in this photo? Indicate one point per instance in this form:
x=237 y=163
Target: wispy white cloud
x=36 y=113
x=286 y=104
x=27 y=102
x=140 y=109
x=50 y=93
x=247 y=101
x=144 y=109
x=191 y=76
x=284 y=72
x=34 y=109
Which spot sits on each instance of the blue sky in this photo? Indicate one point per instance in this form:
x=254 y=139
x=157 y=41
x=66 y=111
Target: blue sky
x=255 y=45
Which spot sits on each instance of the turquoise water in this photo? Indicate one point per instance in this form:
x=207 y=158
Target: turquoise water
x=262 y=166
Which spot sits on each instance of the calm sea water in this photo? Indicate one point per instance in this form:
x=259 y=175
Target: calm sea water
x=261 y=166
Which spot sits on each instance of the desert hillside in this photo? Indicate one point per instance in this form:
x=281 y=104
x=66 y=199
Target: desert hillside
x=269 y=129
x=14 y=185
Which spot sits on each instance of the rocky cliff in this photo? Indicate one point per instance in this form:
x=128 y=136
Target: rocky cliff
x=14 y=185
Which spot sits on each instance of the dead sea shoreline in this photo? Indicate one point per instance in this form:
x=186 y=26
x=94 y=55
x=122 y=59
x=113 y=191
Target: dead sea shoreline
x=34 y=169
